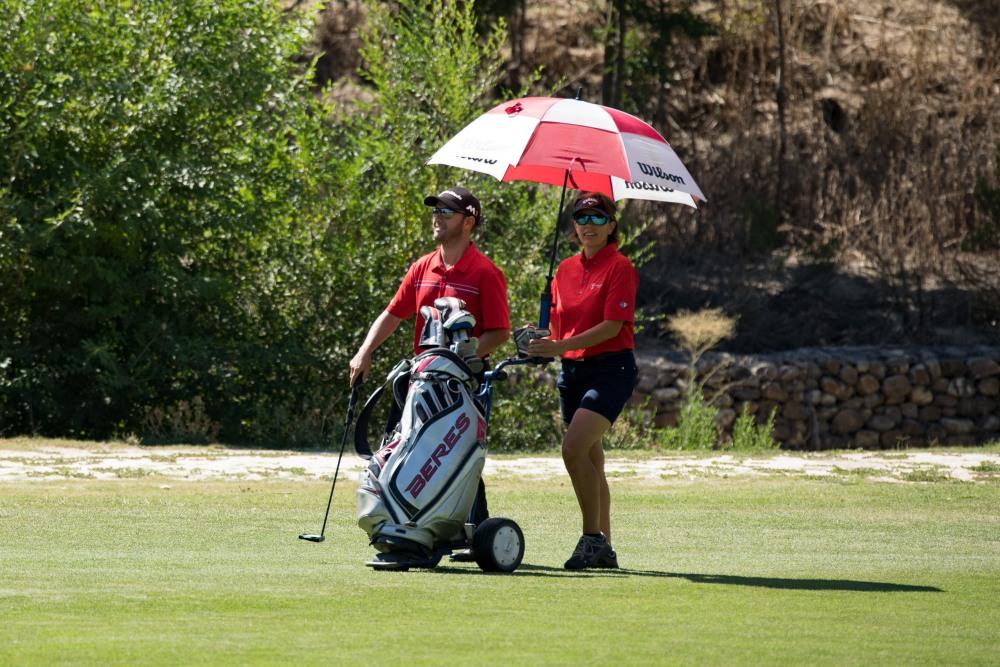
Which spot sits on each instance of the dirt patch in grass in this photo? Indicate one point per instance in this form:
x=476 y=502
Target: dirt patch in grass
x=63 y=460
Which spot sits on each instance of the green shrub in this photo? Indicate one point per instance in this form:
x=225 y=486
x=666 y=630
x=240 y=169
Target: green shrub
x=525 y=415
x=634 y=429
x=424 y=91
x=696 y=333
x=184 y=422
x=695 y=426
x=154 y=211
x=748 y=436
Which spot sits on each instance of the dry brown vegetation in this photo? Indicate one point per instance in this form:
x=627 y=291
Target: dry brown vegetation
x=701 y=331
x=892 y=117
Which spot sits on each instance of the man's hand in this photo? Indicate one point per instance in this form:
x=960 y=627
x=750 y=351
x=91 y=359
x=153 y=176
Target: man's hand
x=360 y=365
x=381 y=328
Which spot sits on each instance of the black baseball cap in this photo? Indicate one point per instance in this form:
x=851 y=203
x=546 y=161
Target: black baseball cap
x=592 y=201
x=457 y=198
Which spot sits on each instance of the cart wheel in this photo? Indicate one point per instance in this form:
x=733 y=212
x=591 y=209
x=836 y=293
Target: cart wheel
x=498 y=544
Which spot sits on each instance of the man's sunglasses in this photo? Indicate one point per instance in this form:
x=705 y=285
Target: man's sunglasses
x=591 y=219
x=445 y=213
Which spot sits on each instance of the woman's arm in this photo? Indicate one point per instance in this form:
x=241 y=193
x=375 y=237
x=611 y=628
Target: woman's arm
x=595 y=335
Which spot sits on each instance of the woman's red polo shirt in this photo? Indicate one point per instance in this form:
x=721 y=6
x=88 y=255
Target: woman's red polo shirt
x=474 y=279
x=586 y=292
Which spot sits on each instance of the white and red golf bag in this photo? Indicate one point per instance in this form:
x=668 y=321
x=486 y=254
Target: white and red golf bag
x=417 y=491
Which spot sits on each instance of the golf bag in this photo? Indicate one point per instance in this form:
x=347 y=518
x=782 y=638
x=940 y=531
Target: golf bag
x=415 y=495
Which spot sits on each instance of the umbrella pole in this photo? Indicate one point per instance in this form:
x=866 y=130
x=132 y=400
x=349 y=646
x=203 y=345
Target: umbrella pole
x=546 y=300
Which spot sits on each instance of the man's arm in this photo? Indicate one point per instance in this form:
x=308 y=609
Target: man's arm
x=490 y=340
x=381 y=328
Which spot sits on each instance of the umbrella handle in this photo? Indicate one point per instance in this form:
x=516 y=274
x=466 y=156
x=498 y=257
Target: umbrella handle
x=546 y=305
x=546 y=301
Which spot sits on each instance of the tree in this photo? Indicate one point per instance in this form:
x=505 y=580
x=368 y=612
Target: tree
x=638 y=41
x=514 y=12
x=781 y=97
x=150 y=188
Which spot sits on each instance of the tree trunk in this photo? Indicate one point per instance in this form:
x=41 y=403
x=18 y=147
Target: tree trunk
x=614 y=54
x=620 y=54
x=779 y=194
x=518 y=25
x=663 y=82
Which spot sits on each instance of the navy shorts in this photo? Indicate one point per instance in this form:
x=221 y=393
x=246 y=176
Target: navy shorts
x=603 y=384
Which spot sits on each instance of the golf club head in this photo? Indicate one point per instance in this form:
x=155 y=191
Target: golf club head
x=311 y=538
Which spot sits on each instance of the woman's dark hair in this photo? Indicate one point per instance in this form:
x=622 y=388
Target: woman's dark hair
x=607 y=204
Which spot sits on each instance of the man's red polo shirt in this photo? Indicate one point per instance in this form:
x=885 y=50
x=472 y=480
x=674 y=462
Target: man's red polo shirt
x=475 y=280
x=585 y=292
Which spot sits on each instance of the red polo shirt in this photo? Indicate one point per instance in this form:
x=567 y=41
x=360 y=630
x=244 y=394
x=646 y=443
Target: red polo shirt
x=475 y=280
x=585 y=292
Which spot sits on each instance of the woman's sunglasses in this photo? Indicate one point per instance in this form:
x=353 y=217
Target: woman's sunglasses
x=590 y=219
x=445 y=213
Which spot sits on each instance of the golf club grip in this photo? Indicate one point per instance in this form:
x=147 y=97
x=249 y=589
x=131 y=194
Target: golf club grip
x=352 y=402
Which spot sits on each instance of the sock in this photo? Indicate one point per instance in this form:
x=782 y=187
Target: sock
x=599 y=536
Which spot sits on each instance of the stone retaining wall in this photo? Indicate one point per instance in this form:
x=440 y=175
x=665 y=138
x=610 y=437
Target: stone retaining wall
x=842 y=397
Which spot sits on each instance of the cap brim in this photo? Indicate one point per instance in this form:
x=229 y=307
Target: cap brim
x=591 y=209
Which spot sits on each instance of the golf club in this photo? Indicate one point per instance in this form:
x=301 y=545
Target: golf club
x=355 y=392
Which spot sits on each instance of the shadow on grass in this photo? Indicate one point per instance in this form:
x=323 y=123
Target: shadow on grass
x=790 y=584
x=524 y=570
x=529 y=570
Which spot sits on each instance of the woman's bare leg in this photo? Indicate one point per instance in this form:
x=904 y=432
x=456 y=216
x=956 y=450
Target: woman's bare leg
x=584 y=434
x=597 y=458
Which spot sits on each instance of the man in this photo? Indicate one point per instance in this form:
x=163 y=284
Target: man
x=456 y=268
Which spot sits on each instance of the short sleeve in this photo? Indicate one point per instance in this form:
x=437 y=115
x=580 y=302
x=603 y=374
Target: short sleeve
x=404 y=303
x=493 y=300
x=619 y=306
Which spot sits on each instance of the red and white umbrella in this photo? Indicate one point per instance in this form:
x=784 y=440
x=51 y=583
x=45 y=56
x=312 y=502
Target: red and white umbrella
x=565 y=141
x=571 y=143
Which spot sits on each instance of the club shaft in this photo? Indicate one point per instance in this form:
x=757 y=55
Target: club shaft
x=355 y=390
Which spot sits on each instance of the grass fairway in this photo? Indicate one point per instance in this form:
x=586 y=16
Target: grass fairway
x=778 y=570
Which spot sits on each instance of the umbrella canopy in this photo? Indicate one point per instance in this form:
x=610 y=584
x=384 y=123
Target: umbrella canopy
x=571 y=143
x=564 y=141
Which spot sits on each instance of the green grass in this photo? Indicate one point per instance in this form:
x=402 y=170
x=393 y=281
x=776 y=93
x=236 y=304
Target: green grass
x=717 y=571
x=986 y=467
x=932 y=474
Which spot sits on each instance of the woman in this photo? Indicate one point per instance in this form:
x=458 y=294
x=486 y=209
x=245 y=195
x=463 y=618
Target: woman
x=593 y=297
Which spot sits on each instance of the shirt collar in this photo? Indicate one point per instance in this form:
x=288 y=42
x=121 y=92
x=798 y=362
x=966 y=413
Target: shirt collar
x=464 y=263
x=602 y=254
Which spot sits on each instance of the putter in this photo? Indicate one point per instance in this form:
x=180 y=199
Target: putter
x=355 y=391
